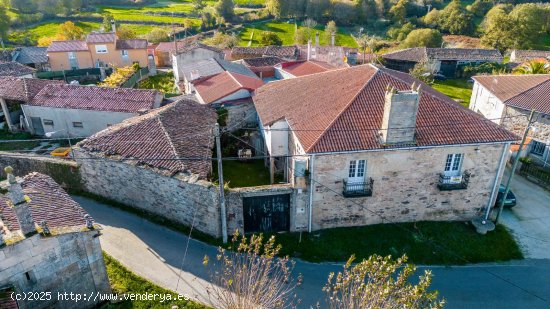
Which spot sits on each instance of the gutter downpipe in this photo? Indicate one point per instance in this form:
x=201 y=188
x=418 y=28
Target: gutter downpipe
x=496 y=184
x=310 y=193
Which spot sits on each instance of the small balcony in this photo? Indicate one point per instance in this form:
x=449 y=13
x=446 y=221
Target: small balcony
x=358 y=189
x=449 y=183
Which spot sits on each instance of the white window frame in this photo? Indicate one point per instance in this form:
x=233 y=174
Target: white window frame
x=124 y=53
x=357 y=170
x=453 y=164
x=101 y=49
x=72 y=55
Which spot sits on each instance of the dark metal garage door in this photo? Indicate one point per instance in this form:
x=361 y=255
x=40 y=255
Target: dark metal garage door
x=266 y=213
x=448 y=68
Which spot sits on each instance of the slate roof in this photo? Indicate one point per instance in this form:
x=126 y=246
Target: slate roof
x=179 y=130
x=303 y=68
x=95 y=98
x=221 y=85
x=196 y=45
x=131 y=44
x=168 y=47
x=418 y=54
x=521 y=91
x=212 y=66
x=23 y=89
x=267 y=61
x=526 y=55
x=31 y=55
x=15 y=69
x=108 y=37
x=287 y=52
x=341 y=110
x=49 y=202
x=67 y=46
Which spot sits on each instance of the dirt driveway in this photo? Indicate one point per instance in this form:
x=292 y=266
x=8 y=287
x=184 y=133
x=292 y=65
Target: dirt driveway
x=529 y=220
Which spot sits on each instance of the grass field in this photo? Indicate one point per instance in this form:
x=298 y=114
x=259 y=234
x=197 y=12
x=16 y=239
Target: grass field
x=456 y=89
x=48 y=29
x=244 y=174
x=161 y=82
x=286 y=31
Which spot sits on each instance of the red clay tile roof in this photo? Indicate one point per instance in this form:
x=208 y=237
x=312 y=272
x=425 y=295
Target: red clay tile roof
x=131 y=44
x=530 y=91
x=109 y=37
x=221 y=85
x=267 y=61
x=15 y=69
x=526 y=55
x=168 y=47
x=303 y=68
x=179 y=130
x=96 y=98
x=49 y=202
x=287 y=52
x=23 y=89
x=67 y=46
x=418 y=54
x=341 y=110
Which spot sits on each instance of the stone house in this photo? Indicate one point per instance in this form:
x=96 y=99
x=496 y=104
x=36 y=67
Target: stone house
x=367 y=145
x=77 y=111
x=263 y=67
x=191 y=54
x=99 y=50
x=284 y=52
x=48 y=244
x=164 y=50
x=519 y=56
x=445 y=61
x=508 y=100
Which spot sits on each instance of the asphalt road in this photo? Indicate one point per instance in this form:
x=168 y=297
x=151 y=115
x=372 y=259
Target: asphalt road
x=155 y=252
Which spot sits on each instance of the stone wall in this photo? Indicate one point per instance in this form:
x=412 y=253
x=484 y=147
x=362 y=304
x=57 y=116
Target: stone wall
x=174 y=198
x=70 y=262
x=405 y=186
x=239 y=113
x=516 y=120
x=64 y=172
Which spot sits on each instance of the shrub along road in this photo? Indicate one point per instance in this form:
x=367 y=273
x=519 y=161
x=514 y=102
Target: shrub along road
x=155 y=253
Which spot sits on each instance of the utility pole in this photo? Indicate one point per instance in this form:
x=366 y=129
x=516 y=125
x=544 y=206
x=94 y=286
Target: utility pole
x=514 y=165
x=220 y=179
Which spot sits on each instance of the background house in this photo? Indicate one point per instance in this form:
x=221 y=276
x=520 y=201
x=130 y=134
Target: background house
x=519 y=56
x=264 y=67
x=191 y=54
x=508 y=101
x=65 y=256
x=284 y=52
x=379 y=146
x=164 y=50
x=445 y=61
x=83 y=110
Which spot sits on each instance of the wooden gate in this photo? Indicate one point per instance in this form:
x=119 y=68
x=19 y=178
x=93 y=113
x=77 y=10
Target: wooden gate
x=270 y=213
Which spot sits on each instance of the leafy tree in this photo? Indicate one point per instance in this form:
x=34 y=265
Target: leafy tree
x=316 y=9
x=331 y=29
x=480 y=7
x=276 y=7
x=4 y=22
x=70 y=31
x=344 y=12
x=399 y=34
x=432 y=18
x=222 y=40
x=225 y=9
x=455 y=19
x=158 y=35
x=270 y=38
x=126 y=33
x=198 y=6
x=301 y=36
x=531 y=21
x=534 y=67
x=423 y=38
x=398 y=12
x=106 y=24
x=187 y=24
x=373 y=283
x=208 y=20
x=24 y=6
x=253 y=276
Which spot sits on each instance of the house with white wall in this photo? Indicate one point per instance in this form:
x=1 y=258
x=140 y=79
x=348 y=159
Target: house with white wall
x=369 y=145
x=193 y=53
x=508 y=100
x=77 y=111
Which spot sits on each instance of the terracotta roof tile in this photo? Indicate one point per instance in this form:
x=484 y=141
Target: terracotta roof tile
x=23 y=89
x=526 y=55
x=179 y=130
x=168 y=47
x=15 y=69
x=221 y=85
x=49 y=202
x=109 y=37
x=341 y=110
x=67 y=46
x=131 y=44
x=418 y=54
x=303 y=68
x=287 y=52
x=267 y=61
x=96 y=98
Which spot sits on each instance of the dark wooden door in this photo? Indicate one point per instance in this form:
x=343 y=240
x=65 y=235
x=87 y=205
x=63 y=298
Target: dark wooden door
x=448 y=68
x=269 y=213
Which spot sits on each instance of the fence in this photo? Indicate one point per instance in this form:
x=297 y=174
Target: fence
x=536 y=174
x=134 y=79
x=72 y=73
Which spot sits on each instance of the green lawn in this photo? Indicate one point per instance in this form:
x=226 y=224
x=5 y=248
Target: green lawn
x=124 y=281
x=243 y=174
x=21 y=145
x=48 y=29
x=286 y=31
x=146 y=13
x=457 y=89
x=161 y=82
x=462 y=244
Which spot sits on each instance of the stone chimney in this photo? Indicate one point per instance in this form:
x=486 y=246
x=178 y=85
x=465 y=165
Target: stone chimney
x=113 y=26
x=20 y=206
x=317 y=39
x=399 y=119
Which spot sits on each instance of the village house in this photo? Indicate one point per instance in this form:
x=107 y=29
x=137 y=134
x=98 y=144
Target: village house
x=508 y=100
x=164 y=50
x=32 y=56
x=48 y=243
x=99 y=50
x=337 y=56
x=14 y=92
x=519 y=56
x=284 y=52
x=77 y=111
x=191 y=54
x=369 y=145
x=16 y=69
x=301 y=68
x=445 y=61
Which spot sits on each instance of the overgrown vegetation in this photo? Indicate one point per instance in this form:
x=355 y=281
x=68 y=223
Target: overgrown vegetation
x=161 y=82
x=459 y=90
x=119 y=76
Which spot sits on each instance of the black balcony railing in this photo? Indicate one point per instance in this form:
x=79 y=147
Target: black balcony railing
x=358 y=188
x=448 y=183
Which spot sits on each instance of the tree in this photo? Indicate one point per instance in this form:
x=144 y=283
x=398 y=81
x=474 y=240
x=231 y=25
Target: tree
x=158 y=35
x=24 y=6
x=277 y=8
x=253 y=276
x=480 y=7
x=4 y=22
x=344 y=12
x=498 y=29
x=317 y=9
x=423 y=38
x=225 y=9
x=107 y=19
x=222 y=40
x=531 y=21
x=330 y=30
x=534 y=67
x=125 y=33
x=198 y=6
x=455 y=19
x=373 y=283
x=270 y=38
x=398 y=12
x=187 y=24
x=70 y=31
x=399 y=34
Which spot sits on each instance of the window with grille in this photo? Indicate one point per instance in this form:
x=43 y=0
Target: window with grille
x=538 y=148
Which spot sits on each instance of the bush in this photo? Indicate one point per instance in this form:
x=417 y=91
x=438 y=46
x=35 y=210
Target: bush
x=119 y=76
x=423 y=38
x=470 y=70
x=270 y=38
